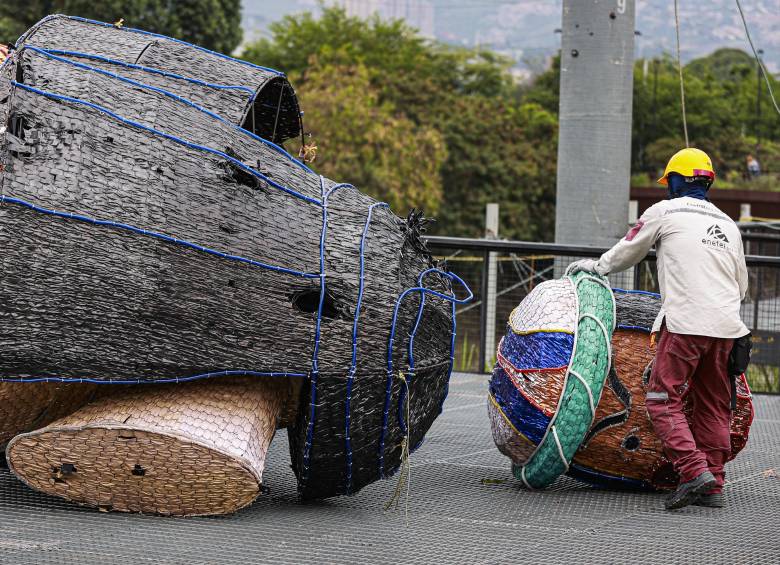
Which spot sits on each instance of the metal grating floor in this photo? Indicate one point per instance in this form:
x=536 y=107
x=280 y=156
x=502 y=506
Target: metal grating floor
x=455 y=516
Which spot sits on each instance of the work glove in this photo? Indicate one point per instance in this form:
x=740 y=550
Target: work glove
x=586 y=265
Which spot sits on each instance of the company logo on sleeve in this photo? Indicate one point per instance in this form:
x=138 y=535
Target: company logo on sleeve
x=715 y=237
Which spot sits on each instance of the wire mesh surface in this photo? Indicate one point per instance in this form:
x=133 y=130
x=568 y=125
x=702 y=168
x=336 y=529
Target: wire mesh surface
x=459 y=512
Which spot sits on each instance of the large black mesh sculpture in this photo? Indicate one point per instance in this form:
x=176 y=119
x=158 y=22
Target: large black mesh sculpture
x=152 y=231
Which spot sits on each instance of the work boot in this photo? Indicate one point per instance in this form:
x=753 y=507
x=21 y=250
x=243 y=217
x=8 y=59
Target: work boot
x=711 y=500
x=688 y=492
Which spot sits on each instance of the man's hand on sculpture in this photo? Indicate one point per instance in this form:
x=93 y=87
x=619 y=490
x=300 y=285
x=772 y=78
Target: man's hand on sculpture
x=586 y=265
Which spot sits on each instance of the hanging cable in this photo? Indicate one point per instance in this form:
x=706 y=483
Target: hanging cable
x=679 y=69
x=758 y=59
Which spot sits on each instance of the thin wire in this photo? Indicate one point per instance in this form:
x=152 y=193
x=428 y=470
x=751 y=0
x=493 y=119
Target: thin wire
x=159 y=380
x=758 y=59
x=679 y=69
x=278 y=110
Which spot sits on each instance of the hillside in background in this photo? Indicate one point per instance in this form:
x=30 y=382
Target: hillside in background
x=524 y=29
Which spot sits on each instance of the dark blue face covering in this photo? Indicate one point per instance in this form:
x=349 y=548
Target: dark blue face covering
x=678 y=187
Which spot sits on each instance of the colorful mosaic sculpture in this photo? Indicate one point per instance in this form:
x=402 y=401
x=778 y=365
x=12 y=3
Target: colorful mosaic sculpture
x=152 y=231
x=552 y=355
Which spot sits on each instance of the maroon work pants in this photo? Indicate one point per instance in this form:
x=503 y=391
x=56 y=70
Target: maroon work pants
x=702 y=363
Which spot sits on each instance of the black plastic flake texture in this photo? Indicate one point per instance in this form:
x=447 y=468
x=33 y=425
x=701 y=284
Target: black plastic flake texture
x=146 y=237
x=636 y=310
x=242 y=93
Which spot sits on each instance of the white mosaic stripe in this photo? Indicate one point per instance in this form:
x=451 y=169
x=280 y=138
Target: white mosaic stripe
x=550 y=307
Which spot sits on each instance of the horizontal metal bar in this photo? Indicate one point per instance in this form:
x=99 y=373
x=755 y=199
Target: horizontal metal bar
x=750 y=236
x=476 y=244
x=509 y=246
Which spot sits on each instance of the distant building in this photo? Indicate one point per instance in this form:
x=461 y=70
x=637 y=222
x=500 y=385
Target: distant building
x=416 y=13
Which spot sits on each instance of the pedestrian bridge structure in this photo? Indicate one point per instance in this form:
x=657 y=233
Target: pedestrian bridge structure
x=463 y=507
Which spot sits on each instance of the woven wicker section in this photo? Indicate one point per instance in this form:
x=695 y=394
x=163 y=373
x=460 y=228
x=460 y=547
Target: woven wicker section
x=509 y=440
x=587 y=372
x=25 y=407
x=189 y=449
x=549 y=307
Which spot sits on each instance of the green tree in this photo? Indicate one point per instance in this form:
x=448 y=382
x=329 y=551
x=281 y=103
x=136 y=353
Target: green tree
x=369 y=143
x=214 y=24
x=720 y=95
x=721 y=92
x=495 y=148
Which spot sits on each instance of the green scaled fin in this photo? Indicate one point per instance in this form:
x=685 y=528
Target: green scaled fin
x=588 y=369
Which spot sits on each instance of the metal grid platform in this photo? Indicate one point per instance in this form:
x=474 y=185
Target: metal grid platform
x=459 y=511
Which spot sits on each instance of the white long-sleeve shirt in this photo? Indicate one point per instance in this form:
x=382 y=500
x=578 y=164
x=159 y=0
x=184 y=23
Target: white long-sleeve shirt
x=701 y=265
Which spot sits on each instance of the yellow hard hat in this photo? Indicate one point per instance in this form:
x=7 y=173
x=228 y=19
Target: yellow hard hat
x=689 y=162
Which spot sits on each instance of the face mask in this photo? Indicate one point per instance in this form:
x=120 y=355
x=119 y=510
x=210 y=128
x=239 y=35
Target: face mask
x=678 y=187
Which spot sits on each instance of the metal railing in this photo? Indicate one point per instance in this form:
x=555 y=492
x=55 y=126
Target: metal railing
x=506 y=271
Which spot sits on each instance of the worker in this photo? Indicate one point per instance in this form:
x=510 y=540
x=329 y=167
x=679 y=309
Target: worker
x=703 y=278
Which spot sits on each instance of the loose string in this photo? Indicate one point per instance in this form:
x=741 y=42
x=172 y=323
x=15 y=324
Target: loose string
x=405 y=474
x=758 y=59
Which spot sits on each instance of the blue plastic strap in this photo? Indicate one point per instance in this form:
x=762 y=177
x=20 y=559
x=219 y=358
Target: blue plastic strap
x=168 y=380
x=315 y=368
x=152 y=70
x=51 y=55
x=638 y=328
x=646 y=292
x=389 y=383
x=162 y=236
x=353 y=364
x=410 y=352
x=161 y=36
x=168 y=136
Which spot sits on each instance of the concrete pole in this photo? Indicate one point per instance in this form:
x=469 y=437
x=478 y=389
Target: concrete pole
x=491 y=232
x=594 y=142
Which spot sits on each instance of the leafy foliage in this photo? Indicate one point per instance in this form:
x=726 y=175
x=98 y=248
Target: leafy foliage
x=215 y=24
x=721 y=107
x=369 y=142
x=419 y=123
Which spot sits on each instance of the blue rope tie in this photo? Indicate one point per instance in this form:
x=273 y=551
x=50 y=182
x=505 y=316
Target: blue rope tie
x=168 y=136
x=452 y=364
x=353 y=364
x=151 y=70
x=639 y=328
x=648 y=293
x=161 y=36
x=404 y=390
x=168 y=238
x=226 y=373
x=51 y=54
x=388 y=388
x=410 y=352
x=315 y=368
